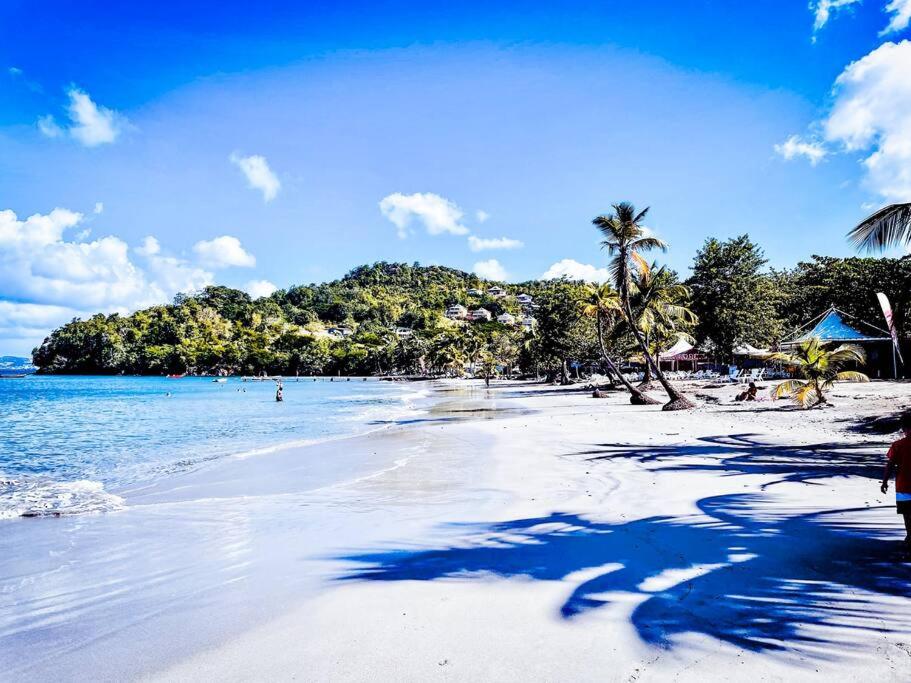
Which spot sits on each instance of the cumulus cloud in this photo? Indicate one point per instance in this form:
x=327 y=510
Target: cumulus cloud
x=259 y=176
x=48 y=278
x=90 y=123
x=45 y=278
x=901 y=16
x=795 y=146
x=573 y=270
x=437 y=214
x=223 y=252
x=824 y=9
x=149 y=247
x=99 y=208
x=490 y=270
x=259 y=288
x=871 y=114
x=483 y=244
x=482 y=216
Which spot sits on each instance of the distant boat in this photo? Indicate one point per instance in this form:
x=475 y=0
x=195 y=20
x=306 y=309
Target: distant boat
x=177 y=376
x=13 y=376
x=220 y=380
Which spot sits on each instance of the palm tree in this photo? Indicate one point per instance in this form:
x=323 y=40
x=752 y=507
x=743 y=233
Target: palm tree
x=820 y=368
x=625 y=238
x=603 y=304
x=659 y=316
x=888 y=227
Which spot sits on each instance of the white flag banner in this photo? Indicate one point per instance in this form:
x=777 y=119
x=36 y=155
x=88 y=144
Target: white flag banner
x=887 y=312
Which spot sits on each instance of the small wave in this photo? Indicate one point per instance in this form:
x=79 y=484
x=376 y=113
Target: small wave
x=43 y=498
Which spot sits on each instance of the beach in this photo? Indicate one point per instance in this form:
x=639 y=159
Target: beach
x=519 y=532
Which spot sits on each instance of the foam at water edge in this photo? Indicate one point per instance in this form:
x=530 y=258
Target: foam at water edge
x=43 y=498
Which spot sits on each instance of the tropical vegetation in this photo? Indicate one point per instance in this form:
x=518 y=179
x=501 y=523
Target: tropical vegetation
x=819 y=366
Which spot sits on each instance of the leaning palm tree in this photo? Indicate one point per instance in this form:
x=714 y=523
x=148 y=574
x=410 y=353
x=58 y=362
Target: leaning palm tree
x=659 y=315
x=625 y=238
x=888 y=227
x=820 y=367
x=602 y=302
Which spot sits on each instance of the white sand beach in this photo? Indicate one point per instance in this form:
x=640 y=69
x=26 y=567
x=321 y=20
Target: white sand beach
x=572 y=538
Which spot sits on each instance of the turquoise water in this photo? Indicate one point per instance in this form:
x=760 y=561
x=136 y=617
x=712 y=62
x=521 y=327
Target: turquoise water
x=69 y=444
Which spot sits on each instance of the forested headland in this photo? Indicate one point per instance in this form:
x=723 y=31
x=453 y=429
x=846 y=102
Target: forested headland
x=390 y=318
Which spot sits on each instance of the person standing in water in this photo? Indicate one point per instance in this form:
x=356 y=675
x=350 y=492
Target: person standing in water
x=899 y=460
x=278 y=393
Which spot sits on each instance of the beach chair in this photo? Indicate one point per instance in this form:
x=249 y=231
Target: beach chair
x=734 y=374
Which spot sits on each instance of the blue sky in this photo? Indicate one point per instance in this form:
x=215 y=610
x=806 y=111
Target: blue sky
x=261 y=148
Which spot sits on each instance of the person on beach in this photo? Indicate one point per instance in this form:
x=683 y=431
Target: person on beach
x=749 y=394
x=899 y=461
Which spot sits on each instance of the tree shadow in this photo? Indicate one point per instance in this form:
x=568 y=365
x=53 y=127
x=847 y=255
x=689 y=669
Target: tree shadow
x=736 y=454
x=741 y=572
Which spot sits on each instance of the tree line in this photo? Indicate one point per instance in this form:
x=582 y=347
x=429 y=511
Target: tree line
x=729 y=297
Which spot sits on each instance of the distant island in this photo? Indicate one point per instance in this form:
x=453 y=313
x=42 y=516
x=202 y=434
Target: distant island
x=398 y=318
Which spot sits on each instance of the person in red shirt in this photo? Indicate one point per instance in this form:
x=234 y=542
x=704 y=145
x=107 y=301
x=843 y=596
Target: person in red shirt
x=900 y=462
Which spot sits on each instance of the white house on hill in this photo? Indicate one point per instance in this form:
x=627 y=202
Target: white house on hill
x=475 y=292
x=506 y=319
x=481 y=314
x=496 y=292
x=524 y=299
x=456 y=312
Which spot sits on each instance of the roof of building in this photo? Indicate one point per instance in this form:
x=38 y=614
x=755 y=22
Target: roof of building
x=831 y=327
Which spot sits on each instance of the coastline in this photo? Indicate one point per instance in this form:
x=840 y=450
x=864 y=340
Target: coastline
x=621 y=543
x=205 y=555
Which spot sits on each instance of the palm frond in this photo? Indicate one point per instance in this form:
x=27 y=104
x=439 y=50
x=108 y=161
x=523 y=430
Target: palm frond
x=805 y=395
x=648 y=243
x=851 y=376
x=787 y=388
x=890 y=226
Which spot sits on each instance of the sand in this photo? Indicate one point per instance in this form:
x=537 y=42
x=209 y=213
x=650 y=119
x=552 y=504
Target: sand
x=571 y=538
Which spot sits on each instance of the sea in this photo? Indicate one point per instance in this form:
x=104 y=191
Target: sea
x=73 y=445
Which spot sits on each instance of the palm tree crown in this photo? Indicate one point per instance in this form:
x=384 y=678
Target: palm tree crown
x=626 y=238
x=888 y=227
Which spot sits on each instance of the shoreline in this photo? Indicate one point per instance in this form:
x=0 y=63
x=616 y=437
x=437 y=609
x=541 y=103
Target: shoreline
x=724 y=508
x=230 y=538
x=521 y=532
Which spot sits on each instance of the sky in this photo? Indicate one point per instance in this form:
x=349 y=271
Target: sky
x=159 y=147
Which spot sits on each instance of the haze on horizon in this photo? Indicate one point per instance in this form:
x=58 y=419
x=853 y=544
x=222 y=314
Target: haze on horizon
x=150 y=150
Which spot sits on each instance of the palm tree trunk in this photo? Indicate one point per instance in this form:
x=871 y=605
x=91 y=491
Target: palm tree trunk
x=677 y=400
x=636 y=397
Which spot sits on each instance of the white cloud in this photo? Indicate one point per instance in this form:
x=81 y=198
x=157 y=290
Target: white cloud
x=491 y=270
x=222 y=252
x=482 y=244
x=901 y=16
x=259 y=288
x=49 y=128
x=482 y=216
x=38 y=265
x=573 y=270
x=259 y=175
x=823 y=10
x=149 y=247
x=48 y=277
x=99 y=208
x=90 y=124
x=437 y=214
x=795 y=146
x=872 y=114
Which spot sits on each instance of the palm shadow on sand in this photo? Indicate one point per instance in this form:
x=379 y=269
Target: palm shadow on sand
x=740 y=572
x=736 y=454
